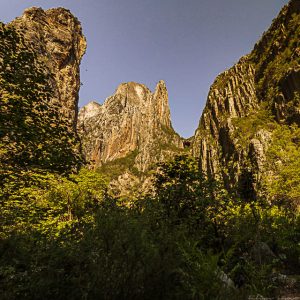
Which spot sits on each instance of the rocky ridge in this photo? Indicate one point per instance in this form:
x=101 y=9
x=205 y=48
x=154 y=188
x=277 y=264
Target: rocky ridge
x=247 y=101
x=232 y=95
x=235 y=131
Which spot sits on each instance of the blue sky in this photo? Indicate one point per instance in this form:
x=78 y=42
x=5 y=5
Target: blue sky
x=187 y=43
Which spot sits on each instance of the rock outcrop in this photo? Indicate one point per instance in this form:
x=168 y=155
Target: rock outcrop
x=245 y=102
x=39 y=83
x=132 y=127
x=57 y=39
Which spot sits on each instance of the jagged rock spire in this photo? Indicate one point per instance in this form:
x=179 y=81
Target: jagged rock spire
x=133 y=119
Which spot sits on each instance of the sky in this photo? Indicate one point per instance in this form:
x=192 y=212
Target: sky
x=187 y=43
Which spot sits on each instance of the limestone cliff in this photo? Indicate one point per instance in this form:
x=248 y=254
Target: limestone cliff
x=247 y=102
x=57 y=39
x=132 y=127
x=231 y=96
x=39 y=83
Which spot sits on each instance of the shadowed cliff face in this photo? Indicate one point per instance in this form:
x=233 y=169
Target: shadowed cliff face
x=231 y=96
x=57 y=39
x=247 y=102
x=132 y=122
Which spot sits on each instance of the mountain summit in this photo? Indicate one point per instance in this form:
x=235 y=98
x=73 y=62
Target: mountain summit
x=132 y=120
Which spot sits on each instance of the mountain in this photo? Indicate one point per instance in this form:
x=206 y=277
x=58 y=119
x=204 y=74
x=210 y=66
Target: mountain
x=249 y=106
x=64 y=235
x=130 y=132
x=238 y=139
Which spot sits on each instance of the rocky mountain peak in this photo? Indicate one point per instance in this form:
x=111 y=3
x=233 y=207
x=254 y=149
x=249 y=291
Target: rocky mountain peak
x=39 y=73
x=133 y=91
x=161 y=88
x=33 y=12
x=132 y=125
x=162 y=104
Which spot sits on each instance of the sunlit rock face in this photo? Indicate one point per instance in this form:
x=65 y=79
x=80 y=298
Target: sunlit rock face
x=234 y=131
x=132 y=122
x=57 y=39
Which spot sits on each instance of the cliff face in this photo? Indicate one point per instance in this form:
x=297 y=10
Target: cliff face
x=131 y=123
x=39 y=82
x=248 y=102
x=232 y=95
x=57 y=39
x=276 y=58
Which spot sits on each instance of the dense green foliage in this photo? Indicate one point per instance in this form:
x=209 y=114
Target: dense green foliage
x=246 y=127
x=66 y=238
x=284 y=163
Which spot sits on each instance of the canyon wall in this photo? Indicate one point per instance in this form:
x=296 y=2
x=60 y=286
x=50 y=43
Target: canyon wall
x=56 y=37
x=247 y=103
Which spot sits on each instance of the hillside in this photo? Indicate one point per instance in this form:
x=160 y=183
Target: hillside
x=249 y=106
